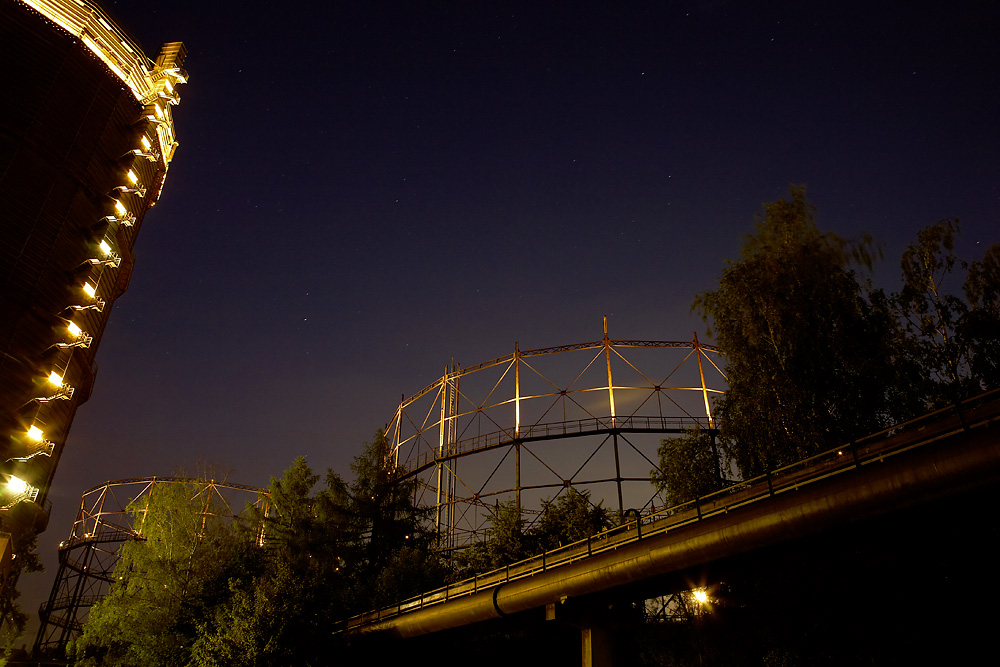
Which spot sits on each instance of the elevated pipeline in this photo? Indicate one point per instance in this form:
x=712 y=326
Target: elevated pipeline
x=953 y=464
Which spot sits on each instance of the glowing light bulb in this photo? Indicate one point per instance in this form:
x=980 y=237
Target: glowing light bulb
x=701 y=596
x=132 y=177
x=145 y=143
x=90 y=290
x=35 y=433
x=120 y=208
x=17 y=485
x=105 y=248
x=56 y=379
x=73 y=329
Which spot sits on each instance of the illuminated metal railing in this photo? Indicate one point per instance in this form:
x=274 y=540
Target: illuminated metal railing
x=553 y=430
x=148 y=81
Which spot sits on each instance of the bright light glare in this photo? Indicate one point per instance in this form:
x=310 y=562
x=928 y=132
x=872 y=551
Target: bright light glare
x=145 y=143
x=105 y=248
x=159 y=111
x=120 y=208
x=56 y=379
x=17 y=485
x=35 y=433
x=132 y=177
x=73 y=329
x=170 y=89
x=90 y=290
x=701 y=596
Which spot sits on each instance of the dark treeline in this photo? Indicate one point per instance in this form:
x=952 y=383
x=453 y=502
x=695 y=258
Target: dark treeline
x=815 y=356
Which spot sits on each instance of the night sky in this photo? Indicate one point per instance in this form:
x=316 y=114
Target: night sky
x=364 y=193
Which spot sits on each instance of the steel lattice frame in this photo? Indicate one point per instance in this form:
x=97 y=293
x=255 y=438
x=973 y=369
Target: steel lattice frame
x=108 y=517
x=602 y=399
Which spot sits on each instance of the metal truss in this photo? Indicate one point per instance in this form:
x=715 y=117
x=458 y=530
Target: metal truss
x=109 y=516
x=529 y=425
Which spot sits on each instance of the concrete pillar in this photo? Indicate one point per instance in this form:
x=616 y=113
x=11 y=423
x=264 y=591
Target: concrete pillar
x=595 y=647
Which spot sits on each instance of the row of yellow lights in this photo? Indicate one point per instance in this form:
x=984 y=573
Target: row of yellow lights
x=18 y=487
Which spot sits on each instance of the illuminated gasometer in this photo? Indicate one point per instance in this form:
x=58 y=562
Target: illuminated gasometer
x=530 y=425
x=88 y=126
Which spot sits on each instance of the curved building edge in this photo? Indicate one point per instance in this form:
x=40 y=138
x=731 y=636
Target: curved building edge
x=86 y=137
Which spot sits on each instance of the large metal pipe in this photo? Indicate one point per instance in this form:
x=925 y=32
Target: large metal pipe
x=958 y=462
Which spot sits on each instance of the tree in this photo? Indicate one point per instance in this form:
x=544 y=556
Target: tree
x=980 y=328
x=284 y=614
x=954 y=340
x=503 y=543
x=568 y=518
x=689 y=467
x=267 y=590
x=809 y=357
x=303 y=529
x=165 y=583
x=25 y=559
x=386 y=520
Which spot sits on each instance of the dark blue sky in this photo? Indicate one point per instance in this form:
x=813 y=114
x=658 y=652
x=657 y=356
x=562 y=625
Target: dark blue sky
x=363 y=194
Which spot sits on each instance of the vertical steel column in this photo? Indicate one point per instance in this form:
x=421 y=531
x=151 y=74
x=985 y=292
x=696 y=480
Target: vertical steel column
x=442 y=391
x=607 y=359
x=704 y=388
x=398 y=420
x=452 y=473
x=708 y=409
x=614 y=424
x=82 y=570
x=517 y=424
x=209 y=493
x=618 y=477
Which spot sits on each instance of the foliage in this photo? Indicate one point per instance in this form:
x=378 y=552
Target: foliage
x=302 y=529
x=980 y=328
x=568 y=518
x=503 y=543
x=342 y=549
x=258 y=625
x=386 y=519
x=689 y=467
x=954 y=340
x=807 y=354
x=165 y=583
x=268 y=590
x=24 y=549
x=298 y=594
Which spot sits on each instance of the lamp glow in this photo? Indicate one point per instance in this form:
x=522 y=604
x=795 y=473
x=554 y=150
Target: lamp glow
x=105 y=248
x=17 y=485
x=73 y=329
x=159 y=111
x=701 y=596
x=35 y=433
x=145 y=143
x=170 y=89
x=132 y=177
x=55 y=379
x=89 y=290
x=120 y=208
